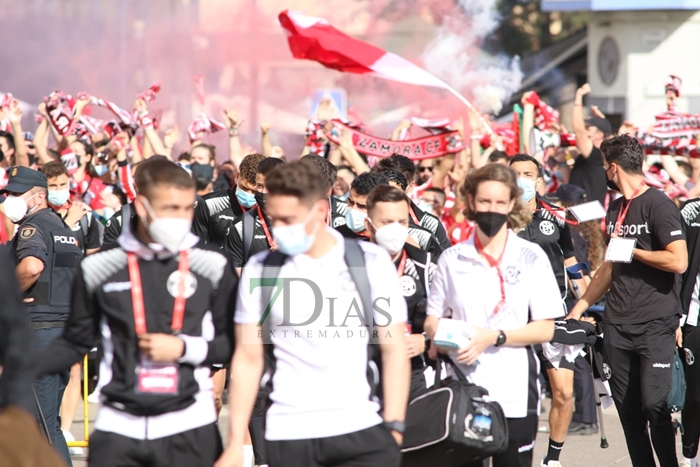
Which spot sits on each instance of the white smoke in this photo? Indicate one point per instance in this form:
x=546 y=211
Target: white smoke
x=454 y=55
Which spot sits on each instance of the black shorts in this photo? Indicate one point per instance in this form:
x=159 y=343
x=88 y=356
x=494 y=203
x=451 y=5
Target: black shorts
x=199 y=447
x=372 y=447
x=547 y=365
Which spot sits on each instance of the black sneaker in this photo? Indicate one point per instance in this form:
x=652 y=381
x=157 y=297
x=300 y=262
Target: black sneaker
x=584 y=429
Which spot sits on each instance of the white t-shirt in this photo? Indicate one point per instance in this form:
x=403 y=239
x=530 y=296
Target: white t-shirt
x=320 y=385
x=466 y=288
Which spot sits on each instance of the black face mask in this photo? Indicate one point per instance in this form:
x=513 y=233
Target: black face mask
x=260 y=199
x=490 y=223
x=610 y=183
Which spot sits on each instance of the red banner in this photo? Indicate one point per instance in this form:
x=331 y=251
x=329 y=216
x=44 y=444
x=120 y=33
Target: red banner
x=428 y=147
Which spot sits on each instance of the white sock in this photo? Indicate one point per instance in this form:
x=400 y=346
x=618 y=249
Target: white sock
x=248 y=457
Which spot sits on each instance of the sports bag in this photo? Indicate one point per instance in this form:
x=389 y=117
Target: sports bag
x=453 y=423
x=676 y=397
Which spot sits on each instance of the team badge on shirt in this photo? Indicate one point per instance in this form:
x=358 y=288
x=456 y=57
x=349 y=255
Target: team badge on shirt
x=408 y=286
x=27 y=232
x=607 y=371
x=511 y=275
x=546 y=227
x=188 y=281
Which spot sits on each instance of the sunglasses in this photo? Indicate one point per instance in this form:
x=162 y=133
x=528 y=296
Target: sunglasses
x=423 y=169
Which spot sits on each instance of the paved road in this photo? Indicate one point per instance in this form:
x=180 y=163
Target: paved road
x=579 y=451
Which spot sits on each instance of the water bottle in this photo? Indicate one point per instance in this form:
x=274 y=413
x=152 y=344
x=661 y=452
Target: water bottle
x=481 y=423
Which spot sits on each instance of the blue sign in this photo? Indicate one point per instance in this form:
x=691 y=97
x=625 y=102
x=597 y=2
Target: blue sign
x=336 y=103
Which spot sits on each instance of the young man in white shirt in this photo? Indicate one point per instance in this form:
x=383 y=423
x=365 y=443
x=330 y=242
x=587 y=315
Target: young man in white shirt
x=321 y=410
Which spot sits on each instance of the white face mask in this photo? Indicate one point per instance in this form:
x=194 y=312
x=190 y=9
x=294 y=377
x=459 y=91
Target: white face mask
x=167 y=231
x=16 y=208
x=391 y=237
x=355 y=220
x=293 y=239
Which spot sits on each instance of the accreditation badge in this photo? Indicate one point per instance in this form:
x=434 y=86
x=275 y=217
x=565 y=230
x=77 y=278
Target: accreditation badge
x=157 y=378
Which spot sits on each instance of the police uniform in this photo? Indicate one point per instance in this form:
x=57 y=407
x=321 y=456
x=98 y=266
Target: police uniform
x=43 y=235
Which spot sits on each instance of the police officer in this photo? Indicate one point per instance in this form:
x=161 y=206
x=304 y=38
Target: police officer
x=47 y=255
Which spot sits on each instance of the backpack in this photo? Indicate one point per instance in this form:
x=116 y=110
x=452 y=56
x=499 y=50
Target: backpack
x=355 y=260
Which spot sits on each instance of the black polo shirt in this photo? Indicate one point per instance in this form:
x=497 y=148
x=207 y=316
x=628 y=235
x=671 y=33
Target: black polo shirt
x=432 y=223
x=214 y=214
x=552 y=234
x=259 y=242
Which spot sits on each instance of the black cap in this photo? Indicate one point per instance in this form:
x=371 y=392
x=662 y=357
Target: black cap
x=571 y=194
x=601 y=123
x=23 y=179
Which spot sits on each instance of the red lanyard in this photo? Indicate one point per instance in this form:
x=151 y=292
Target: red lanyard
x=413 y=215
x=557 y=215
x=494 y=264
x=137 y=294
x=623 y=214
x=270 y=240
x=243 y=208
x=402 y=264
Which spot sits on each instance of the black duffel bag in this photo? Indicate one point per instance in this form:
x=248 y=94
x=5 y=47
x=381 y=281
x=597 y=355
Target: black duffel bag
x=453 y=423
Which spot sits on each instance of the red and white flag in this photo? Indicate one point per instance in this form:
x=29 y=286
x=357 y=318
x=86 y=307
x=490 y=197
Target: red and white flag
x=313 y=38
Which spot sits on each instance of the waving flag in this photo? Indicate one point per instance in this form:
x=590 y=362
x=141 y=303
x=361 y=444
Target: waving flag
x=313 y=38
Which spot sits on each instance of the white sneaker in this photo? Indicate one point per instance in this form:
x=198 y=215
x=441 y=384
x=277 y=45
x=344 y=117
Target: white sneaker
x=551 y=464
x=72 y=451
x=94 y=397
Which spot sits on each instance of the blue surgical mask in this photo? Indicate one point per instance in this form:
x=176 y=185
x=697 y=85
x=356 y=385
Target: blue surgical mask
x=107 y=213
x=101 y=169
x=293 y=239
x=528 y=187
x=58 y=198
x=246 y=199
x=425 y=206
x=344 y=197
x=355 y=220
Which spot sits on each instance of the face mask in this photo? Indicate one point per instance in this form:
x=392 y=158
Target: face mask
x=425 y=206
x=528 y=187
x=391 y=237
x=355 y=220
x=107 y=213
x=260 y=199
x=101 y=169
x=246 y=199
x=610 y=183
x=293 y=239
x=167 y=231
x=16 y=208
x=58 y=198
x=490 y=223
x=344 y=197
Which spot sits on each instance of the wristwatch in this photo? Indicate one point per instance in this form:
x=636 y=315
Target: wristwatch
x=501 y=339
x=399 y=427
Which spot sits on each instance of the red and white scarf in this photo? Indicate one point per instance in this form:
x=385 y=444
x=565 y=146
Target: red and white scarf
x=203 y=123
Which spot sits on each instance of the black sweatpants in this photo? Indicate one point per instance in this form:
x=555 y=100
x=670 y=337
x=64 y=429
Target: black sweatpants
x=372 y=447
x=521 y=444
x=256 y=426
x=640 y=358
x=584 y=391
x=691 y=411
x=199 y=447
